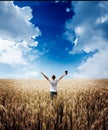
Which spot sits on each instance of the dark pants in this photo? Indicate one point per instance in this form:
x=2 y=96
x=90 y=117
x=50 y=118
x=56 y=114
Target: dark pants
x=53 y=94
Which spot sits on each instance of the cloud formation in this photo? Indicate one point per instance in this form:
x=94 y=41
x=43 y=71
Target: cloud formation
x=10 y=54
x=17 y=33
x=90 y=26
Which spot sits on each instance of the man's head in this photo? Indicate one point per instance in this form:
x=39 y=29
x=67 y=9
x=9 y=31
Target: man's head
x=53 y=77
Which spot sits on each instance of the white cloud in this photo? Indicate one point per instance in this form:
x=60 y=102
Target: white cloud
x=28 y=74
x=25 y=75
x=29 y=71
x=94 y=67
x=17 y=40
x=90 y=25
x=31 y=74
x=102 y=19
x=57 y=1
x=68 y=9
x=76 y=41
x=9 y=54
x=17 y=33
x=15 y=22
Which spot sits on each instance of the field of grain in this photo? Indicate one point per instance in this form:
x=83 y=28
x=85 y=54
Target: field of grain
x=80 y=105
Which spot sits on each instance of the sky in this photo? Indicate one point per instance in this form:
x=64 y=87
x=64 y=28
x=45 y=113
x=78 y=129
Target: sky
x=53 y=36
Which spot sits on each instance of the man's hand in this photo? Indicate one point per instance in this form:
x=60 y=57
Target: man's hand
x=66 y=72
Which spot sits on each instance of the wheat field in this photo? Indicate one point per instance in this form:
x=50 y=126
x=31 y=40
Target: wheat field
x=80 y=105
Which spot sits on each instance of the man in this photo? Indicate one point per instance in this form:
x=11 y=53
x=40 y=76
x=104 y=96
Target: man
x=53 y=84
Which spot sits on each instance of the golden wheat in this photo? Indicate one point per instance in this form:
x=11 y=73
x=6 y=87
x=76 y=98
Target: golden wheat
x=80 y=105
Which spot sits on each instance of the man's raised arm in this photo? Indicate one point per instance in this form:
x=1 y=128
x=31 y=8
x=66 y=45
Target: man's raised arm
x=45 y=76
x=61 y=77
x=66 y=72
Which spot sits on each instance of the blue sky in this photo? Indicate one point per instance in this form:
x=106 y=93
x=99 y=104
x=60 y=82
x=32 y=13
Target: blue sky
x=52 y=37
